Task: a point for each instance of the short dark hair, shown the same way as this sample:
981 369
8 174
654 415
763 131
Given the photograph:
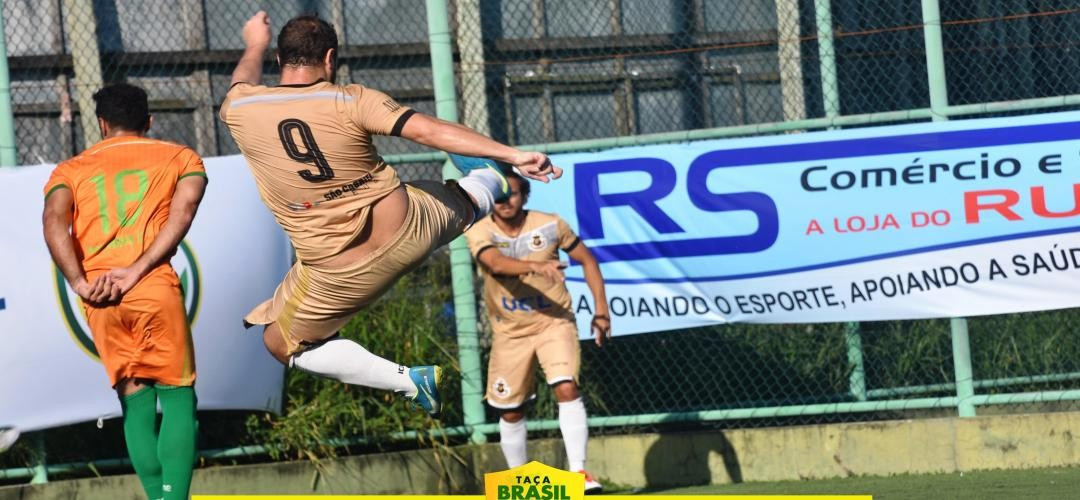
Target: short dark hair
123 106
304 40
511 174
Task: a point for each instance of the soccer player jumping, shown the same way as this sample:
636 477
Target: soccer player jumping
355 226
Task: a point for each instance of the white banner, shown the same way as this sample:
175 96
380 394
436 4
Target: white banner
926 220
232 259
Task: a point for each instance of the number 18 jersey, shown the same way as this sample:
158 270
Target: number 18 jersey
122 187
310 150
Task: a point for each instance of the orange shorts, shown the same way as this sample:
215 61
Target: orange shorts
147 335
513 361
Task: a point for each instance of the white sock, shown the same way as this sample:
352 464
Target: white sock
513 443
483 185
575 432
346 361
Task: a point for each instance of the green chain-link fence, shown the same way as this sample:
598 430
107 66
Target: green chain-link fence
546 71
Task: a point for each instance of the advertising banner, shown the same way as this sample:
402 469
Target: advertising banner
911 221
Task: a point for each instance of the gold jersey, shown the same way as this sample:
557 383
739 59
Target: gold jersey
527 304
310 150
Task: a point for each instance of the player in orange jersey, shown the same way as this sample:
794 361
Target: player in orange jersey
113 217
355 226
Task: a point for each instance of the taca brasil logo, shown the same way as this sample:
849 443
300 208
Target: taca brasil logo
534 481
187 269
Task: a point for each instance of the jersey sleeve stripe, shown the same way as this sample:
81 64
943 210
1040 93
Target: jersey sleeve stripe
54 188
400 123
572 245
482 250
189 174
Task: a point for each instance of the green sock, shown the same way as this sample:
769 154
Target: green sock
140 434
177 439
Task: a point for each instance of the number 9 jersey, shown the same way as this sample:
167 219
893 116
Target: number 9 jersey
310 150
122 188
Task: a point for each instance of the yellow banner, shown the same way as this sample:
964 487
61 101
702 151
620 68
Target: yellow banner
532 481
482 497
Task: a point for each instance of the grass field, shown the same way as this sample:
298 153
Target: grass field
1061 483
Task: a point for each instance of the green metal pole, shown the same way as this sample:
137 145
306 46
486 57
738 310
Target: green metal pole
472 386
830 96
935 59
830 89
40 468
857 378
7 117
965 384
939 102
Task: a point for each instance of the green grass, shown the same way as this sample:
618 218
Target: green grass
1031 484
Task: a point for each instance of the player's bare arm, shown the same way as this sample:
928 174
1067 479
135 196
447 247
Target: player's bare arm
56 220
462 140
256 40
185 202
502 265
601 322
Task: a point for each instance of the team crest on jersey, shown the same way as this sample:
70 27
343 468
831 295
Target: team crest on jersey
501 388
537 242
187 269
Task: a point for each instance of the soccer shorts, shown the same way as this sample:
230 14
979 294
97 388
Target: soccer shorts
512 365
147 335
314 302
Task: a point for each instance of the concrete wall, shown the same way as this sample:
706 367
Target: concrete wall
681 459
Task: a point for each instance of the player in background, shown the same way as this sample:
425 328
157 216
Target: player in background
113 218
532 320
355 226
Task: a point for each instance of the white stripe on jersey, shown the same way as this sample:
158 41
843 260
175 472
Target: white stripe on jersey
288 98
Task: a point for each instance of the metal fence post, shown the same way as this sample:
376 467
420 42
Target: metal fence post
857 378
935 59
965 384
830 88
830 96
472 386
939 101
81 26
474 102
7 117
789 55
40 467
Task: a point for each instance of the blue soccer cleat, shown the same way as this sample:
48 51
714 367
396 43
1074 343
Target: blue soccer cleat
427 380
467 164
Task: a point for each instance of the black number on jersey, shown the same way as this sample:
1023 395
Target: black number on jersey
310 155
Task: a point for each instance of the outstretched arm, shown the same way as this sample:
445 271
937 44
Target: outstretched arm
601 322
502 265
56 219
185 202
256 40
462 140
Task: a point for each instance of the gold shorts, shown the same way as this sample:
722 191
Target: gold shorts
513 363
314 302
